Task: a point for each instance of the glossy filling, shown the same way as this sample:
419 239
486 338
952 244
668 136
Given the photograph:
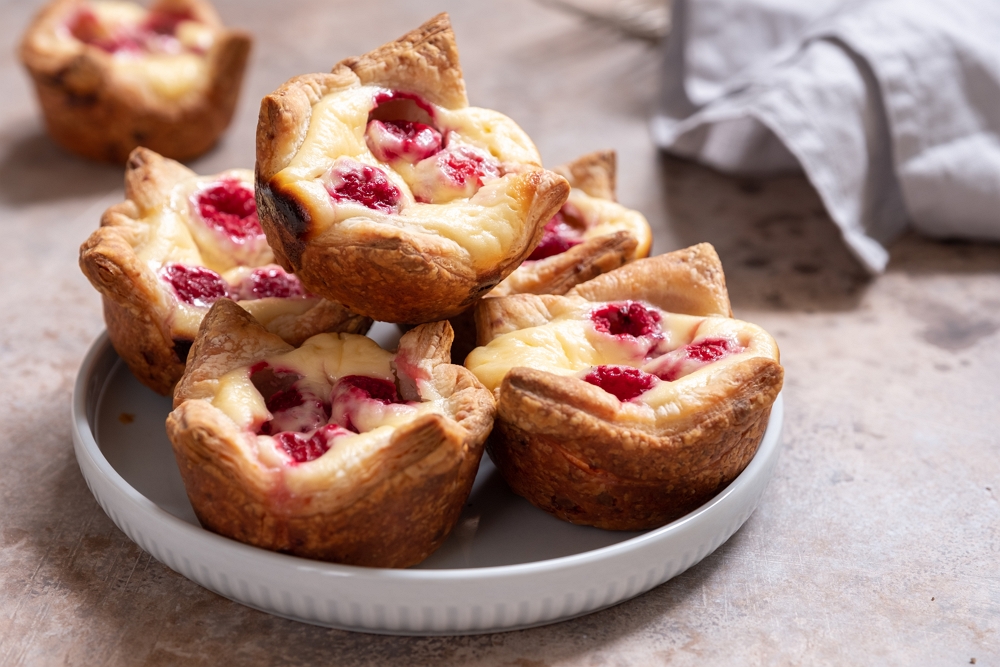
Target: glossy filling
622 382
559 237
125 30
268 282
456 172
159 56
582 218
393 103
404 140
638 353
436 164
461 174
201 287
352 181
224 224
628 318
358 401
305 447
228 206
201 242
633 320
466 165
685 360
306 420
195 285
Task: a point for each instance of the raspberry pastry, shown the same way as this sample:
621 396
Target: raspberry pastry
336 450
112 76
383 190
178 243
590 235
631 400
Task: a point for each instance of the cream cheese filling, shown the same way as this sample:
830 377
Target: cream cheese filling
599 218
172 77
605 217
169 68
173 232
481 228
320 362
570 345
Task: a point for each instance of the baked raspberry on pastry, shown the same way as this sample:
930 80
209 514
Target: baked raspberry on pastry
590 235
617 408
381 188
337 450
178 243
112 75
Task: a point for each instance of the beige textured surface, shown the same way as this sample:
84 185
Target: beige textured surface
877 542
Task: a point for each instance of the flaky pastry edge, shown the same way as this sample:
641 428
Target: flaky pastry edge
131 293
395 513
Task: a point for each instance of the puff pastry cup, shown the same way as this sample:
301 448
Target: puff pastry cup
178 243
381 188
591 234
111 76
337 450
631 400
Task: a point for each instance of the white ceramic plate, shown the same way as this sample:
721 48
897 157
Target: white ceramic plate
507 565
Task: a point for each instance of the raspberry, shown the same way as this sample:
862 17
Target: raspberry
463 166
623 382
376 389
270 282
365 185
557 239
195 285
628 318
710 349
229 207
303 447
402 139
394 95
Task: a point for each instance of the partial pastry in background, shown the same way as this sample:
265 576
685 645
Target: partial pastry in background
337 450
591 234
631 400
112 76
381 188
178 243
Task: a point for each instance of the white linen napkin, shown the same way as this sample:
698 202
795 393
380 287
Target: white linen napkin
891 107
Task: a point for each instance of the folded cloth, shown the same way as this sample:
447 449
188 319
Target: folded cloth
891 107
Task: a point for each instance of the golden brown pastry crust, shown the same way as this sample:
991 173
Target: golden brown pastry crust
87 113
133 295
394 515
390 273
688 281
624 478
560 273
561 443
594 174
423 61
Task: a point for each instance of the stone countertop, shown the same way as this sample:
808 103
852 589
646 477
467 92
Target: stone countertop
877 541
